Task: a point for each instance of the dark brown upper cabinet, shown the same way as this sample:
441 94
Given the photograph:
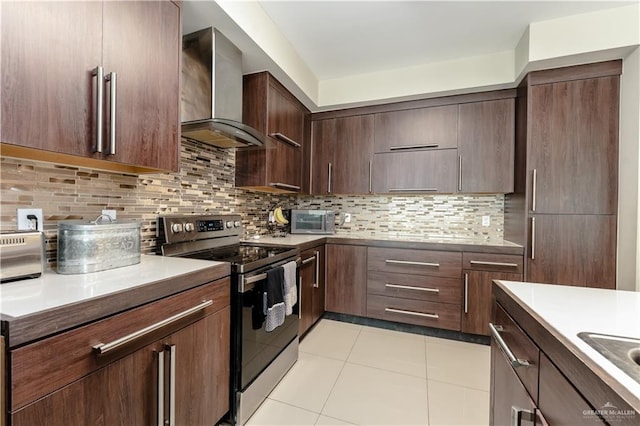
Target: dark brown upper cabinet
51 88
342 155
573 160
273 111
423 128
486 133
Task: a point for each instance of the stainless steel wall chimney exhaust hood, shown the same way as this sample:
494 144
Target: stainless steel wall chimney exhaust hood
212 92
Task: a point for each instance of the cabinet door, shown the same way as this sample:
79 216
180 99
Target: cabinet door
320 288
285 126
486 133
202 369
416 171
323 136
142 43
476 308
508 397
48 51
307 283
559 401
575 250
124 392
346 279
435 127
573 147
352 155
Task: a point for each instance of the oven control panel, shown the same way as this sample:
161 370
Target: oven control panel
181 228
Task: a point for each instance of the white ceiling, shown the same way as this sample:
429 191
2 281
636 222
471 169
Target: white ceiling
343 38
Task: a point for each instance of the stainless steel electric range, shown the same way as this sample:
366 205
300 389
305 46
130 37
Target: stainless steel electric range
259 359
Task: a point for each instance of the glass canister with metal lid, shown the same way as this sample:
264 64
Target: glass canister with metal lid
97 245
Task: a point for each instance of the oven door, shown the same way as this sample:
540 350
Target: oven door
255 348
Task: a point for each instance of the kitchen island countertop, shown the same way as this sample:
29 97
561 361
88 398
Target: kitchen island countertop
565 311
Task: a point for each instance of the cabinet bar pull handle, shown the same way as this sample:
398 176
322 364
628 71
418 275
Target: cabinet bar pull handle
533 190
160 390
172 383
284 186
370 177
515 362
285 139
409 262
459 172
466 293
300 300
482 262
413 189
416 314
410 287
533 238
104 348
401 147
112 78
329 178
317 277
99 73
518 414
308 260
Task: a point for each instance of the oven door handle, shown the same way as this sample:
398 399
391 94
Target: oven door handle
246 283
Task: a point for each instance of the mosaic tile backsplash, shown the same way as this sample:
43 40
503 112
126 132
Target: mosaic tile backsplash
204 184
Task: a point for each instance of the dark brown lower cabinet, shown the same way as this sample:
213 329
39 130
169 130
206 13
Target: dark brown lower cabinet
577 250
63 381
476 308
346 279
312 288
509 398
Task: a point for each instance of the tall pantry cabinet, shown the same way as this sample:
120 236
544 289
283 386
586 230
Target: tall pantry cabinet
564 208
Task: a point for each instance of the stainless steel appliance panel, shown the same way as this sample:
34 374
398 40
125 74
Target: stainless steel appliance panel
21 255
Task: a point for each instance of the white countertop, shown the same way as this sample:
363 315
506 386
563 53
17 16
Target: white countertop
53 290
570 310
297 239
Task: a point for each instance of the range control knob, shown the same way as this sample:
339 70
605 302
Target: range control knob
176 228
229 224
237 224
188 227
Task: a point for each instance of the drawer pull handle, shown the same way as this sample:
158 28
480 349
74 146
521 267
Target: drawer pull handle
518 415
415 314
410 287
285 139
482 262
515 362
160 390
401 147
281 185
408 262
171 349
413 189
104 348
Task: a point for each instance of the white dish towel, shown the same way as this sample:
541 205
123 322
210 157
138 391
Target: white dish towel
290 290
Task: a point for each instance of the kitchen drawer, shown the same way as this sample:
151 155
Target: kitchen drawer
522 348
42 367
416 287
415 262
418 312
493 262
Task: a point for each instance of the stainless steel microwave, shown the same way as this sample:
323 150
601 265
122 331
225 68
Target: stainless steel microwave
313 222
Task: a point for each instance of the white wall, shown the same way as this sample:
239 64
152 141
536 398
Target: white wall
629 176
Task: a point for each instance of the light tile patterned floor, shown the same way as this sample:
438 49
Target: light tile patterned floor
349 374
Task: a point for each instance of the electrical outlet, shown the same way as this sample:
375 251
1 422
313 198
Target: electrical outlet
30 224
347 217
111 213
486 220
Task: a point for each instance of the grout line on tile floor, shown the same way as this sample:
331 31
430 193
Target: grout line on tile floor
458 385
